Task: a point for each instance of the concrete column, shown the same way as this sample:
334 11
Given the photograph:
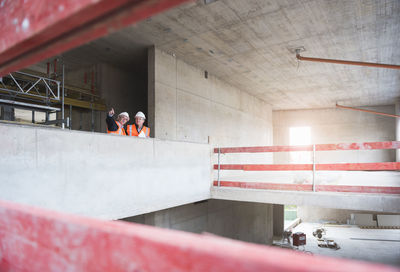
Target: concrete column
158 219
151 88
278 219
253 222
397 110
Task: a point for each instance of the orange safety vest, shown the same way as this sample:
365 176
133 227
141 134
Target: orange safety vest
132 131
119 131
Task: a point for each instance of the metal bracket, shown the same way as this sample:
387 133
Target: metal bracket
313 176
219 165
296 50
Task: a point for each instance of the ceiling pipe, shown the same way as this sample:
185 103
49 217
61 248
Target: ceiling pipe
369 111
347 62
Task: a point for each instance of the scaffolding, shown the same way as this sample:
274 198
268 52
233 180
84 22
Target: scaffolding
37 92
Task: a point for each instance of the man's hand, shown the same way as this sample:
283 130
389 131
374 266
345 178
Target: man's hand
111 112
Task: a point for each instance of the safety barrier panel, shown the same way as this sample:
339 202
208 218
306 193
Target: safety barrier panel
378 166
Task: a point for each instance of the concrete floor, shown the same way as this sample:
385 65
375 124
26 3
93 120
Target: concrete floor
385 252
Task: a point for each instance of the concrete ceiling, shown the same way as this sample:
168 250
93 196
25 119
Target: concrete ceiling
246 44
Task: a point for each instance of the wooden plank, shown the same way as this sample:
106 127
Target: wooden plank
33 239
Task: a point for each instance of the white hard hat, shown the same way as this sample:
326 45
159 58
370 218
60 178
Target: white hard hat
124 114
140 114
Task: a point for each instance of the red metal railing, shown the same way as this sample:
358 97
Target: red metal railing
378 166
33 239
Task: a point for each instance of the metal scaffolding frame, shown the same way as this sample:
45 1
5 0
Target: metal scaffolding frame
19 87
25 84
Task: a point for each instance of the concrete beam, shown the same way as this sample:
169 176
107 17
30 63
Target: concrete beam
100 175
365 202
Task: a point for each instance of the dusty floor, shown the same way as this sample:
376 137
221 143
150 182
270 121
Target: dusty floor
387 252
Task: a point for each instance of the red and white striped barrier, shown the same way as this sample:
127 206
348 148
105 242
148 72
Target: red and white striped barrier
378 166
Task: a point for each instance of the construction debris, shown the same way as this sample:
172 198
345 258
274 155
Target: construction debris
324 242
319 232
299 239
328 243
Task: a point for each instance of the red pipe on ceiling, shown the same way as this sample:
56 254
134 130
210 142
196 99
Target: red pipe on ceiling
348 62
369 111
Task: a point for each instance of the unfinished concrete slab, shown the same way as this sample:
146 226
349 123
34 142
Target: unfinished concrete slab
365 202
372 245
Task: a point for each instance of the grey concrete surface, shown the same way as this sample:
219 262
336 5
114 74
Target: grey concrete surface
366 202
386 252
245 221
315 214
278 219
338 126
186 106
100 175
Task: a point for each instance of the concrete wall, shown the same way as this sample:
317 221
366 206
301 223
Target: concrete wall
339 126
100 175
186 106
76 77
122 89
245 221
279 219
81 119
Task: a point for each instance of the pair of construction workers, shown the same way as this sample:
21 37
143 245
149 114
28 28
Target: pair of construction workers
137 129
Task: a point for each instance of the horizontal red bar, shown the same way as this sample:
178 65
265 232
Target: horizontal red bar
359 189
265 186
318 147
260 149
308 187
376 166
33 239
